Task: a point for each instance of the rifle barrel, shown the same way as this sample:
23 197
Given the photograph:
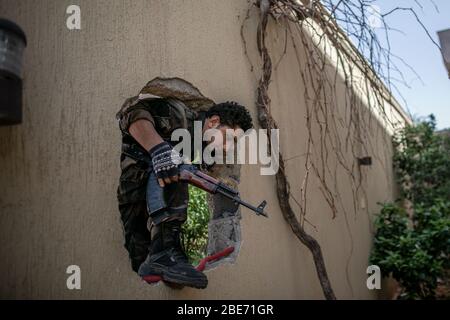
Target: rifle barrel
237 199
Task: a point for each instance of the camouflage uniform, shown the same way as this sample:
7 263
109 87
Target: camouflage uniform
166 116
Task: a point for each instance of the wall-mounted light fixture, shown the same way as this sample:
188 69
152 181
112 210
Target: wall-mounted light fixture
12 45
444 39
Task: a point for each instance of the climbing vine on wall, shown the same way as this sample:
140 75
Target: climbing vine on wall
312 27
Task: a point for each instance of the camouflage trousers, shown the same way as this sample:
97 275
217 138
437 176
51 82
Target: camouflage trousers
131 195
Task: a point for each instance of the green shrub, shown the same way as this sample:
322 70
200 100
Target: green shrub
413 246
195 230
416 255
422 163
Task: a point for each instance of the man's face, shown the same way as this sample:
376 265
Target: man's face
228 134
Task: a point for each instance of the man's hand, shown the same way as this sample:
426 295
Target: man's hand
165 163
145 134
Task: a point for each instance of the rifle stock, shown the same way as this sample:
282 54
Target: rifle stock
197 181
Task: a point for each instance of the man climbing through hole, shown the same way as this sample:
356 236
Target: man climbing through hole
147 122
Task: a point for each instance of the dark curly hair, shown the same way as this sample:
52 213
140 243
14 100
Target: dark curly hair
232 114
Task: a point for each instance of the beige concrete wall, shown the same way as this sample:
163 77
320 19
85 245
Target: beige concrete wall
59 169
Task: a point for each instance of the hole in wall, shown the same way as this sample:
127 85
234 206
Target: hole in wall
213 223
224 228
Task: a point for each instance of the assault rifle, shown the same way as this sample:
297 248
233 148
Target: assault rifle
192 175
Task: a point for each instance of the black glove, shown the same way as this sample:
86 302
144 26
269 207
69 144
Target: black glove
165 160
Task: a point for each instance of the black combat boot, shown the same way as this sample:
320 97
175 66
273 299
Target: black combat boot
168 260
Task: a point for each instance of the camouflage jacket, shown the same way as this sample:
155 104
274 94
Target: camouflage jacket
166 115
